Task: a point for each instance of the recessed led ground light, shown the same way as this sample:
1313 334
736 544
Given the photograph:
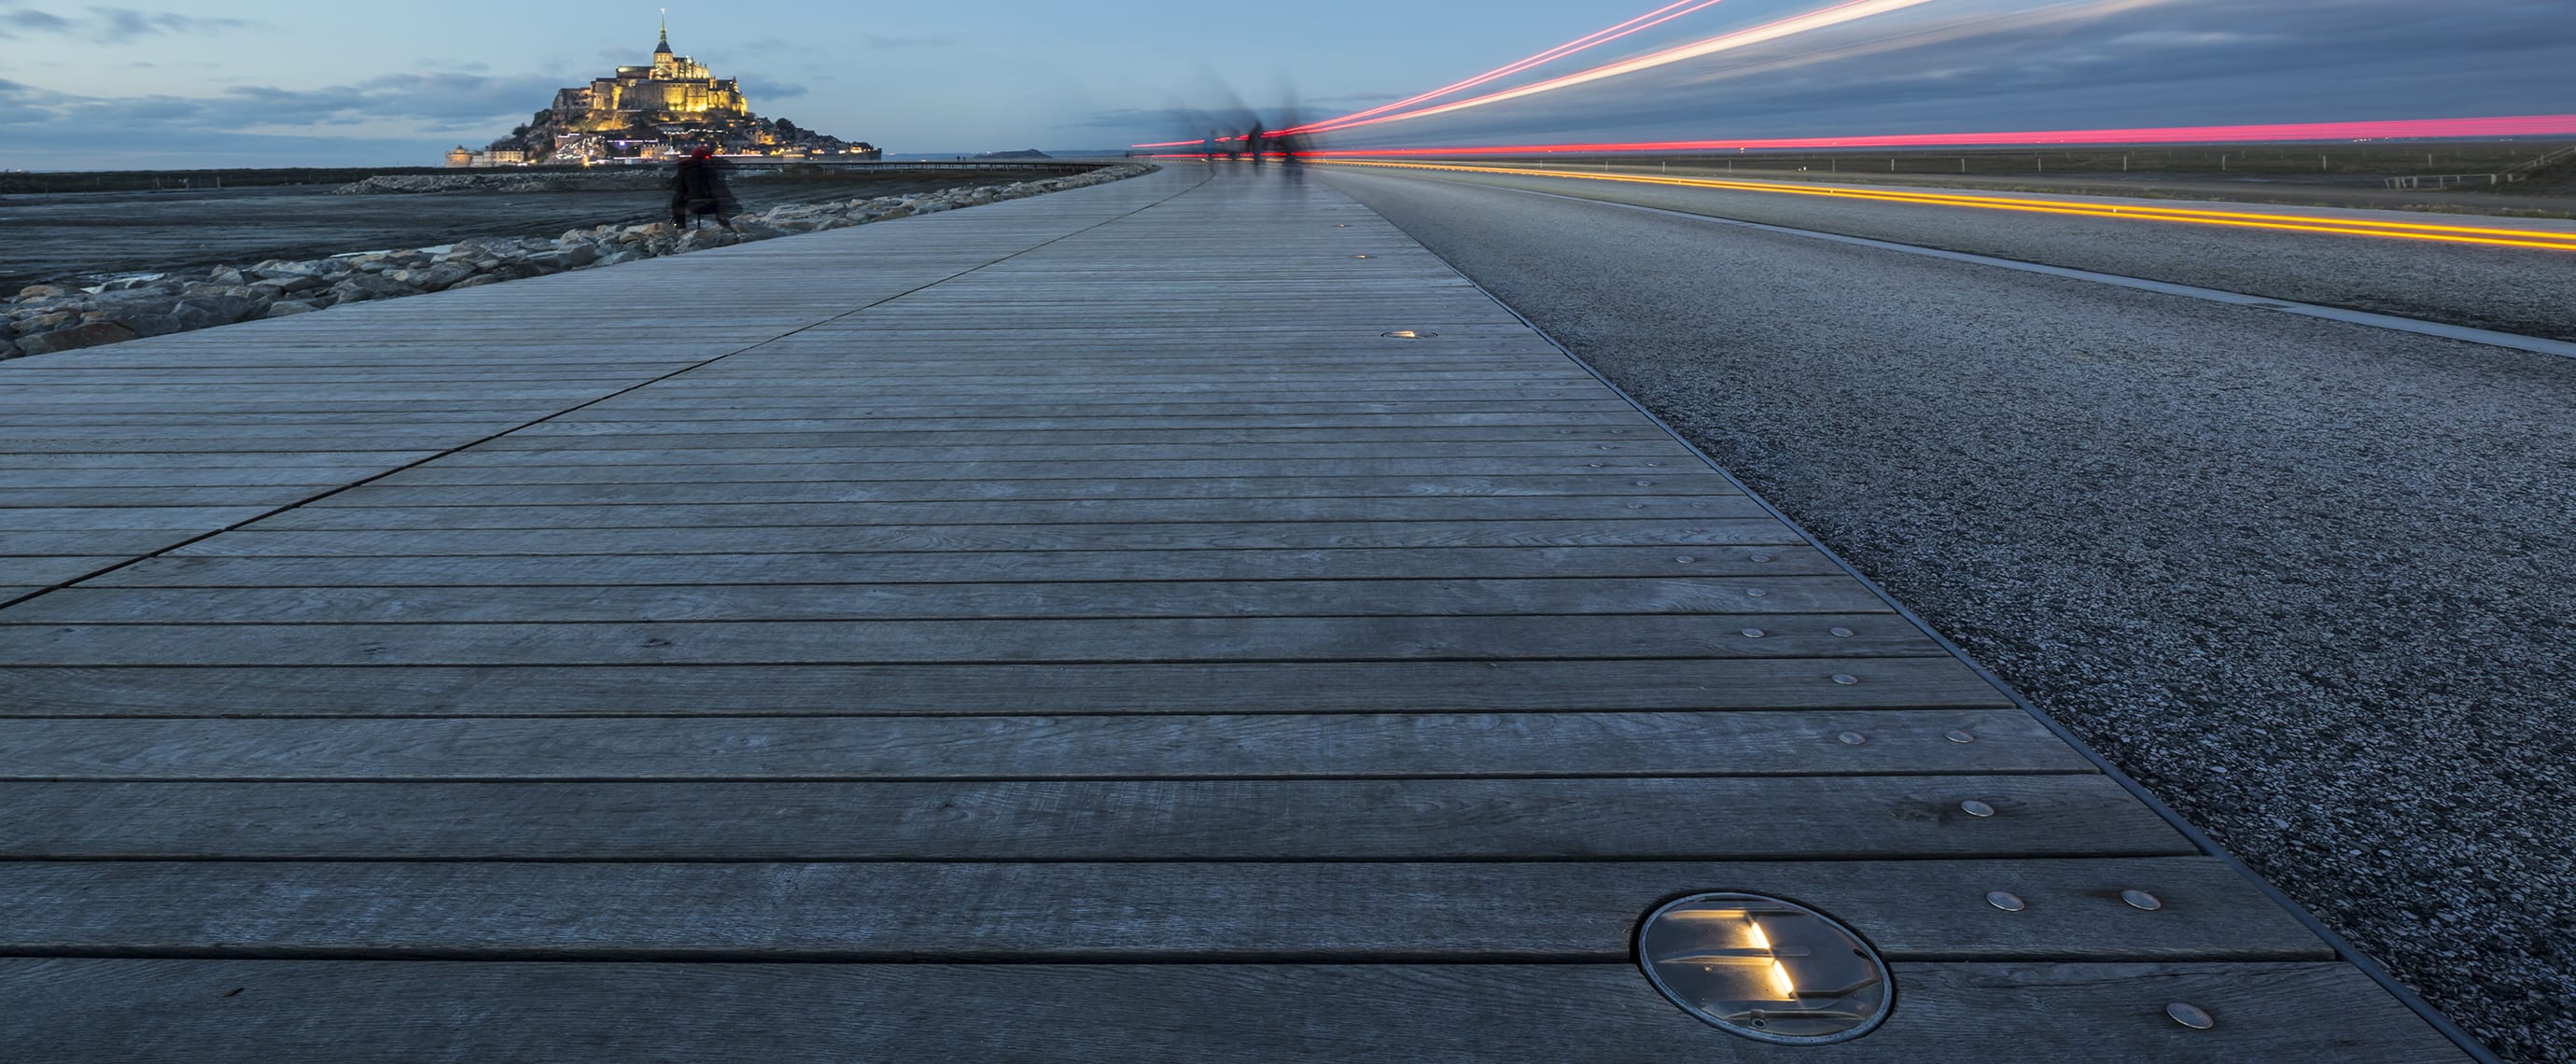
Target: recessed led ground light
1770 970
1408 334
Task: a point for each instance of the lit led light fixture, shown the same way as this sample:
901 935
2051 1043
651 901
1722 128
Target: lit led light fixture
1770 970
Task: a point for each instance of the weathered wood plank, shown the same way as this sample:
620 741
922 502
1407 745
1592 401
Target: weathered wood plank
1304 535
1282 746
834 690
1608 510
1700 819
258 1012
742 467
122 518
820 486
1169 912
1035 566
1196 639
1773 599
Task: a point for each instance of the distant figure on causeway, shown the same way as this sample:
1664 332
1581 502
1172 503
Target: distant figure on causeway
698 190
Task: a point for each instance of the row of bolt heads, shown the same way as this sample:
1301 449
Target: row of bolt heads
2184 1013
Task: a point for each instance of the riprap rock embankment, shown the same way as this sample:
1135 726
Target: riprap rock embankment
43 319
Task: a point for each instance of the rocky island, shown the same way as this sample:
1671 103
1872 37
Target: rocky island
664 108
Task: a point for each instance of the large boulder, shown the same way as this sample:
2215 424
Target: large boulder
288 308
361 287
46 291
91 334
46 322
152 320
9 349
202 312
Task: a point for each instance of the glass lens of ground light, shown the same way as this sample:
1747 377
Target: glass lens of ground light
1767 969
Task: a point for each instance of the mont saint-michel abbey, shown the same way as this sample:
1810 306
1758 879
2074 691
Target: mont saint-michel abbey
668 107
674 85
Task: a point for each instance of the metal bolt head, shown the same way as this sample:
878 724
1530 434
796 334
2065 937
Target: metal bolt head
1359 256
1846 679
1754 633
2006 901
1761 557
1645 483
1852 738
1755 593
1685 559
2192 1016
1973 807
1957 736
1409 334
2139 899
1843 632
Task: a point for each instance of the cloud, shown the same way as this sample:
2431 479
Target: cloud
112 25
445 103
777 90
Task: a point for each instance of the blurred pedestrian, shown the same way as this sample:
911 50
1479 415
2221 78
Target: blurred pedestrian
698 190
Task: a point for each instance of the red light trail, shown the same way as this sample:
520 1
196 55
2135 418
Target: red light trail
2402 129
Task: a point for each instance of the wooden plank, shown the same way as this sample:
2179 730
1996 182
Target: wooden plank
818 486
1303 535
1229 598
123 497
1276 746
1166 912
635 448
95 542
934 568
1608 510
1693 819
1193 687
743 467
40 571
257 1012
1643 637
78 518
1773 600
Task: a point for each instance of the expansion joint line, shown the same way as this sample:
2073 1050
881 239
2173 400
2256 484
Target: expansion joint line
620 393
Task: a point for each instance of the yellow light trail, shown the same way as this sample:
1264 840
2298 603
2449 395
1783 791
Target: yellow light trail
2448 234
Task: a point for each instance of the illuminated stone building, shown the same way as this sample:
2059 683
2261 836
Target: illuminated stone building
673 88
651 112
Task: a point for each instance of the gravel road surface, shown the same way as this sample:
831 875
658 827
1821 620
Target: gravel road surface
2313 583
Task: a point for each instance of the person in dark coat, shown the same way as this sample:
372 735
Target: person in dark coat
698 190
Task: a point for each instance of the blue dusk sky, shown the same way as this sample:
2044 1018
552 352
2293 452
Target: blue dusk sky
291 82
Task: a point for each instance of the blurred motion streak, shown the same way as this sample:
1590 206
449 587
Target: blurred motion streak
1649 20
2449 234
1770 31
2504 126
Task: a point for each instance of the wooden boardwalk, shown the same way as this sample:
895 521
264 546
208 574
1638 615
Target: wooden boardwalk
1063 629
